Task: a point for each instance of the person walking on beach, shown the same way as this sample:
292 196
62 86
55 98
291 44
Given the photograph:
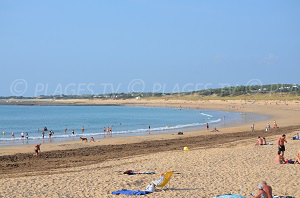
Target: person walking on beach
269 126
149 129
252 127
281 147
207 126
43 134
82 129
37 149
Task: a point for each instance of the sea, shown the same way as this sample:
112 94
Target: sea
124 121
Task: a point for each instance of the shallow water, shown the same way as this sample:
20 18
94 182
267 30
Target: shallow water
125 121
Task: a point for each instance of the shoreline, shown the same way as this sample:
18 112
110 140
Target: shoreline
216 163
234 126
231 106
25 164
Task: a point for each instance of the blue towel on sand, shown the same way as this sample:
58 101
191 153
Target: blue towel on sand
229 196
130 192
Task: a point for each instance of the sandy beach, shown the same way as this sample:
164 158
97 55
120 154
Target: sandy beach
216 163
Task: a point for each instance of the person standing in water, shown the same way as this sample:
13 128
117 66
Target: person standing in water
73 132
43 134
110 131
82 129
207 126
66 130
27 135
12 135
149 129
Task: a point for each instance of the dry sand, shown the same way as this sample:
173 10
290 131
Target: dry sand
203 172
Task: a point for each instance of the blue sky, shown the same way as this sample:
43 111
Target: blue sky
52 44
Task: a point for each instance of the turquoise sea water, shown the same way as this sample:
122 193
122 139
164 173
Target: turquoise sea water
125 121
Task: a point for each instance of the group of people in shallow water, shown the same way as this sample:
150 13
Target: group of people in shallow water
107 131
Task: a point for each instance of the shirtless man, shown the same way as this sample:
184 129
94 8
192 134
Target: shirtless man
82 129
261 193
267 189
259 141
281 147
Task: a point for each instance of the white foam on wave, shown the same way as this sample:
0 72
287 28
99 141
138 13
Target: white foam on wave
114 132
208 115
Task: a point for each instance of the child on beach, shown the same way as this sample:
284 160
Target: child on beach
92 139
298 158
37 149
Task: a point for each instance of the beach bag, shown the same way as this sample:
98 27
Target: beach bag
150 188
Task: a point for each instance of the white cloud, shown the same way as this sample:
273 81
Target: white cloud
269 59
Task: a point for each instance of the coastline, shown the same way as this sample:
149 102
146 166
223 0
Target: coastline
228 127
217 163
285 115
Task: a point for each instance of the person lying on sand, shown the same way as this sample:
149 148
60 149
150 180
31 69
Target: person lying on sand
296 137
298 158
160 181
261 193
37 149
215 130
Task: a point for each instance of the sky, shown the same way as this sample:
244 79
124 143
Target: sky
94 47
